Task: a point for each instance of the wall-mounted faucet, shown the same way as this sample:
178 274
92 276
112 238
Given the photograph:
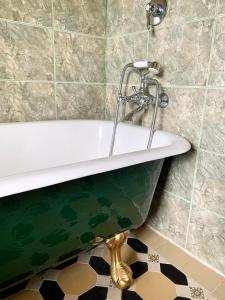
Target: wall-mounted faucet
156 11
141 97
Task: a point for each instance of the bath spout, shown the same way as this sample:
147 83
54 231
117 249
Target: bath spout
130 115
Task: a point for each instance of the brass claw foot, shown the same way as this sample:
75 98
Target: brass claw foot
120 272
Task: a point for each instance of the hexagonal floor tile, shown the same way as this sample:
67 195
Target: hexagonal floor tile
96 293
155 286
27 295
51 290
130 295
173 274
13 290
72 282
139 268
100 265
66 264
137 245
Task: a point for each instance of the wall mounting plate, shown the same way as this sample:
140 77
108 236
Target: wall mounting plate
156 12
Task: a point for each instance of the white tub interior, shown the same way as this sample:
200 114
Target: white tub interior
38 154
40 145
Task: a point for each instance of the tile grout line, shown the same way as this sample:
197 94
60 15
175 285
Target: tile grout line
195 20
108 83
148 42
26 81
173 194
54 59
106 52
80 33
50 28
203 87
81 82
25 24
202 122
52 81
188 202
213 152
103 36
204 263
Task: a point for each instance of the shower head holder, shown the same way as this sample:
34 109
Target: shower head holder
156 12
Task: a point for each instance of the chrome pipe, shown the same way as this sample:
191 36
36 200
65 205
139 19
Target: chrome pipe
152 128
114 129
119 101
142 97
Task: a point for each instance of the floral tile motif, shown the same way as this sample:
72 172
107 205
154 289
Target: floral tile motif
153 258
197 293
88 278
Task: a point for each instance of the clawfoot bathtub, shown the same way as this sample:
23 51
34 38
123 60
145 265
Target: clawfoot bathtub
61 193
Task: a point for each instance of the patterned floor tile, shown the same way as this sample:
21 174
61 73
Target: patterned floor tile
129 295
66 264
104 281
100 266
50 274
137 245
35 283
27 295
51 290
155 286
139 268
113 293
175 275
87 277
15 289
77 279
96 293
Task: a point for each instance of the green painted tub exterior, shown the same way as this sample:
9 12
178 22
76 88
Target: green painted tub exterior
43 227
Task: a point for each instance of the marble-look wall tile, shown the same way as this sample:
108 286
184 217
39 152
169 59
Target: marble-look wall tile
37 12
178 174
213 136
221 7
26 52
210 183
184 105
181 11
80 101
126 16
123 50
111 104
217 72
79 58
183 51
81 16
206 237
26 101
111 101
169 215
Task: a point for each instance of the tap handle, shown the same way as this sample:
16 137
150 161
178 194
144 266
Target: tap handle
164 100
134 89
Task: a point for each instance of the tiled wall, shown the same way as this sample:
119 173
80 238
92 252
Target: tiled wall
189 207
52 59
52 66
